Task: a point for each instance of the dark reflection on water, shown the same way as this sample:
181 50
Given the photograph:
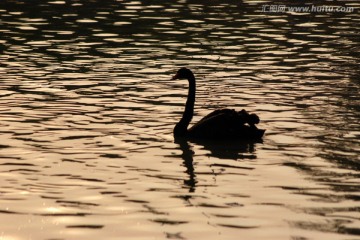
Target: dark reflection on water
187 155
87 108
226 149
219 149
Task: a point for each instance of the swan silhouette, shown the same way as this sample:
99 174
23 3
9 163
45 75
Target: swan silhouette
220 124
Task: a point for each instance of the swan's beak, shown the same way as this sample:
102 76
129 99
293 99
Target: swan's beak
175 77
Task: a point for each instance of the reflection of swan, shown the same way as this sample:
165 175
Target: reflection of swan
220 124
187 156
235 149
223 149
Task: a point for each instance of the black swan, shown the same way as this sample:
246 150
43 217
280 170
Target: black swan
220 124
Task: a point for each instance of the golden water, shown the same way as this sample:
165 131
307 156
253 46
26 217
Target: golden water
87 109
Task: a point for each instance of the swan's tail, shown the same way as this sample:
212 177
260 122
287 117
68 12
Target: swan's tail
250 119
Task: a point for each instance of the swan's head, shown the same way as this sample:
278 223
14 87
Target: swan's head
183 73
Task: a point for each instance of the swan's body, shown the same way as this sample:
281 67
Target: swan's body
220 124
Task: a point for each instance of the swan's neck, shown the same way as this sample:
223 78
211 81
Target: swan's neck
181 127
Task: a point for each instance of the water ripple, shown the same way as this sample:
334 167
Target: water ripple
87 111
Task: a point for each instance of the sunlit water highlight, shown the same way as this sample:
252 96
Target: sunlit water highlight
87 111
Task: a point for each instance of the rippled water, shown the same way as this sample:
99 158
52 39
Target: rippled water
87 111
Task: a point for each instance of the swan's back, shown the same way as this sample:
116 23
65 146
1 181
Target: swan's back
227 123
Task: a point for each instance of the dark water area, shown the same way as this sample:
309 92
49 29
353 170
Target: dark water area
87 109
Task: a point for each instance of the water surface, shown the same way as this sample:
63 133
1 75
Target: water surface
87 111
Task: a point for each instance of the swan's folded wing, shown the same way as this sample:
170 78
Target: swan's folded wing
224 123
